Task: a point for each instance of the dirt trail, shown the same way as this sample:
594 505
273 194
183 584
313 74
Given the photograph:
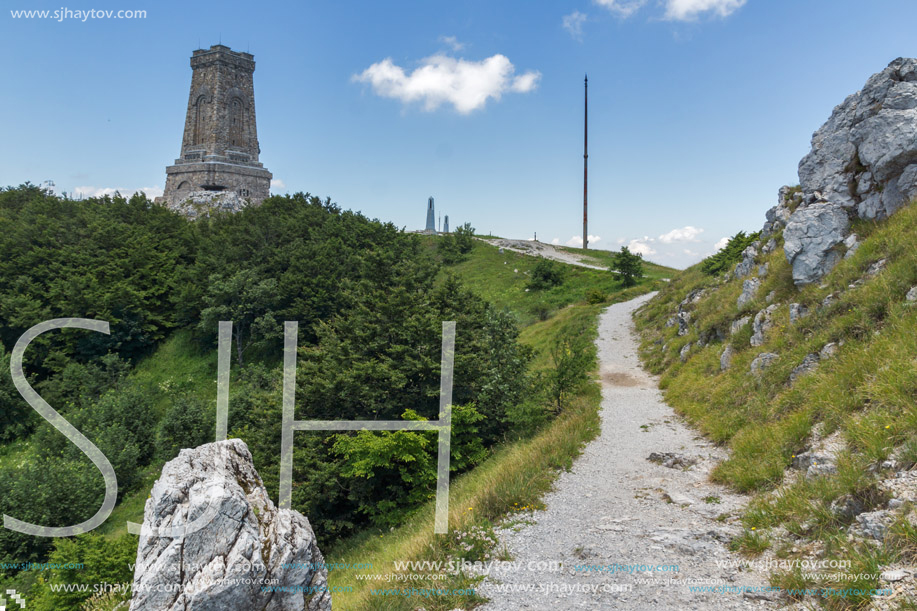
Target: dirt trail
540 249
616 509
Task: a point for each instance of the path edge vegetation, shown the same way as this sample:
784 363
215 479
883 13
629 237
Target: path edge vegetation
502 490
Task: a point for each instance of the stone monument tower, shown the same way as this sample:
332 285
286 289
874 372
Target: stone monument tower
431 217
219 152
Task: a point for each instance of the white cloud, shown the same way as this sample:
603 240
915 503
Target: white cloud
151 192
276 183
685 234
555 241
642 246
621 240
577 240
689 10
573 23
721 244
453 42
623 8
466 85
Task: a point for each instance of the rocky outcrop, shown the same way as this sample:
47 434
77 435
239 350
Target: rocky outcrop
810 238
229 562
726 357
829 350
797 312
749 290
808 365
863 164
747 264
737 325
206 203
762 362
764 322
788 199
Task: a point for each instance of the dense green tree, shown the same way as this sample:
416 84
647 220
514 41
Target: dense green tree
729 255
370 313
628 265
454 247
117 260
17 418
247 301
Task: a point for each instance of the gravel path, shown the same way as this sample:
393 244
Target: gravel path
540 249
617 508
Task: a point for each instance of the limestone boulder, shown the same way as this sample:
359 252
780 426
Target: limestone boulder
249 555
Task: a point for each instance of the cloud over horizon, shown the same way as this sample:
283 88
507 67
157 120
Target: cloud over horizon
690 10
684 234
440 79
642 246
577 241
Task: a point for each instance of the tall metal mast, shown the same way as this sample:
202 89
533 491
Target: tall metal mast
586 167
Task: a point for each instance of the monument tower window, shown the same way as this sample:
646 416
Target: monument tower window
199 120
235 122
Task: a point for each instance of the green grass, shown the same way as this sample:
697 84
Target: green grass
605 258
519 472
867 392
502 279
515 477
178 365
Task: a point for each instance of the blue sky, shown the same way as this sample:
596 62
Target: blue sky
699 109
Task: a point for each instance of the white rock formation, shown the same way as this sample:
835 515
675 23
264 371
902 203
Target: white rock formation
205 203
232 561
863 164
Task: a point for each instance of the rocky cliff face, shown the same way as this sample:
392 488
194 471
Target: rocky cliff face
863 164
250 556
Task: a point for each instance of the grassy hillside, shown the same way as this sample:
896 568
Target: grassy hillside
856 411
517 475
502 279
144 403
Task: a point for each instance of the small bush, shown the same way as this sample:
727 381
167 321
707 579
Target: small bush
595 296
572 360
546 274
541 310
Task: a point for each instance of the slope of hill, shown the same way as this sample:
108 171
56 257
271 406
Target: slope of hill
814 390
503 277
377 298
520 472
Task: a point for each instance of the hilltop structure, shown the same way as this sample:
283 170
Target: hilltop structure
431 217
218 166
